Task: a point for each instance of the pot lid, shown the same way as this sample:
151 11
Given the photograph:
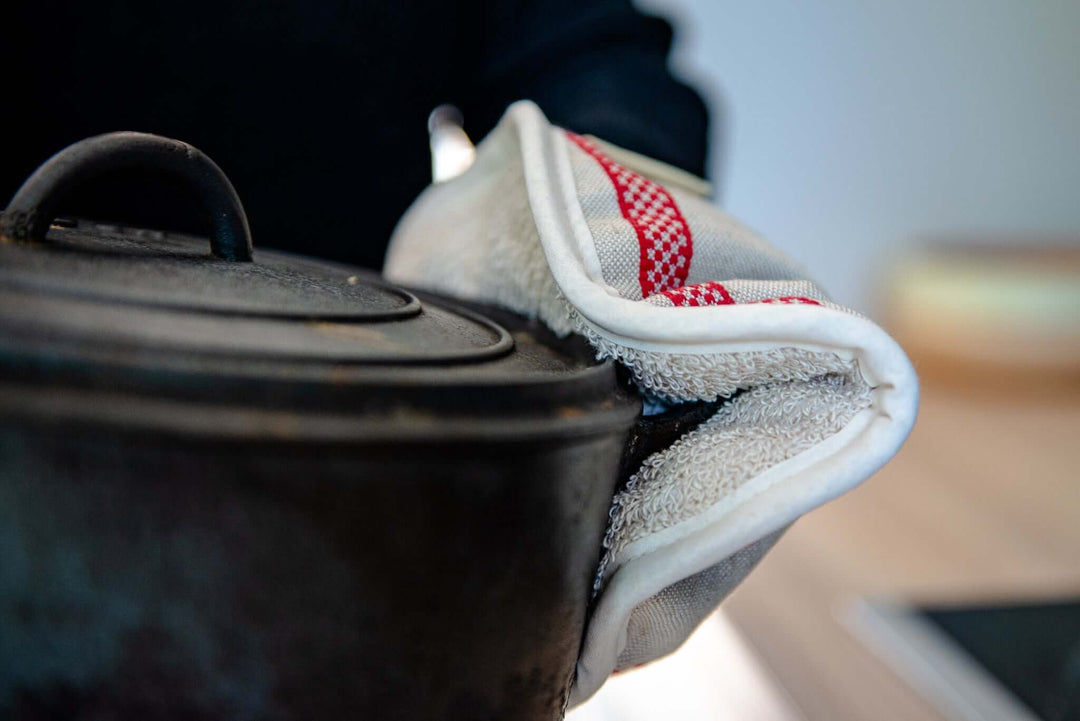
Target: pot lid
119 287
204 337
109 263
160 332
122 287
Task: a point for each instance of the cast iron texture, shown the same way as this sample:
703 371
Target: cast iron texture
153 577
108 263
285 539
34 205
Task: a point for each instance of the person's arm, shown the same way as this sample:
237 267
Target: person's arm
593 66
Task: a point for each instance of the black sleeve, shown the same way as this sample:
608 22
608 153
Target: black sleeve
317 109
593 66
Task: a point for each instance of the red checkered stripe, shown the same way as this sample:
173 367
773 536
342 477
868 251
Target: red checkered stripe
713 293
707 293
664 239
791 300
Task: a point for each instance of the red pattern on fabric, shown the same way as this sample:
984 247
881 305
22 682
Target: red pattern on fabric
791 299
707 293
664 239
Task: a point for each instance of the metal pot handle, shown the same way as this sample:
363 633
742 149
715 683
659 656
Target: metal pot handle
33 207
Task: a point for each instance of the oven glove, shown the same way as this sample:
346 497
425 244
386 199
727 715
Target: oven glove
596 240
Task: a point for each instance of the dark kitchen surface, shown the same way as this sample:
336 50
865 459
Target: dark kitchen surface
1034 650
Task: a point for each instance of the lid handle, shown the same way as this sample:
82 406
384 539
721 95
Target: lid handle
33 207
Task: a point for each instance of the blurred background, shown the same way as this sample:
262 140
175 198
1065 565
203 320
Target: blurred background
923 160
853 131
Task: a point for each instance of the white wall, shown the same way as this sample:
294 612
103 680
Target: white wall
851 129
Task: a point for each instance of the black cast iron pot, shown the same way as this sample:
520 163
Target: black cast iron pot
269 487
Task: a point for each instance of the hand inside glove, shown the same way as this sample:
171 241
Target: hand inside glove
623 250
